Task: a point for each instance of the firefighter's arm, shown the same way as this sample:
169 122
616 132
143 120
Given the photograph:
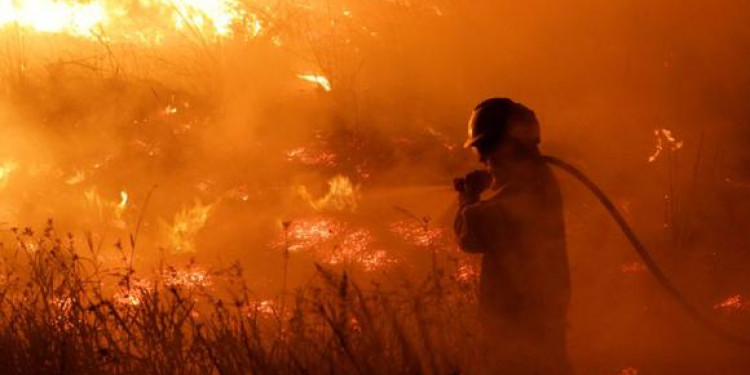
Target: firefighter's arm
468 218
467 226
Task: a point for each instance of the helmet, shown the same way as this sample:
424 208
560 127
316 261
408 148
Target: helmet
497 118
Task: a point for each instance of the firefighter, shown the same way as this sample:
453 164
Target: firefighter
511 213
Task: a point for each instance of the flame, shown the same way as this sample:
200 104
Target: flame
342 195
119 210
186 225
48 16
106 210
664 137
89 19
219 15
135 294
629 371
320 80
6 169
123 200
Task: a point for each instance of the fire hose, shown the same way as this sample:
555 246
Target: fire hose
642 251
645 255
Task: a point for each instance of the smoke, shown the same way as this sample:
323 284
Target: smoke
211 138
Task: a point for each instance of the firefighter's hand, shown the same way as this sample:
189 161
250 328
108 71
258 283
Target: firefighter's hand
472 186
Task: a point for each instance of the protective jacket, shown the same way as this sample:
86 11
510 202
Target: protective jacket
525 281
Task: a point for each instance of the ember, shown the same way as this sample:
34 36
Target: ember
311 156
134 292
307 233
271 142
191 277
267 308
664 138
335 243
731 304
633 267
417 233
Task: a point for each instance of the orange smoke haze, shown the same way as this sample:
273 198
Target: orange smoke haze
240 129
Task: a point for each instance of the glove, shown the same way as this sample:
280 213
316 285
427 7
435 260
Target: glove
473 184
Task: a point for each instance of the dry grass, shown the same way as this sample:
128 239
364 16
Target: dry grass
63 312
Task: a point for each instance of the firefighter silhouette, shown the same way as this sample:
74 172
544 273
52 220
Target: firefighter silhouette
518 229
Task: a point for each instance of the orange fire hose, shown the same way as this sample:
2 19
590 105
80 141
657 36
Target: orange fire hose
645 255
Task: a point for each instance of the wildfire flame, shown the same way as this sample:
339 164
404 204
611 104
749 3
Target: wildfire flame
186 225
320 80
89 19
48 16
107 210
342 195
135 294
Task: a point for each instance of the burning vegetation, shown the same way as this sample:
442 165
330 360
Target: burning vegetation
252 186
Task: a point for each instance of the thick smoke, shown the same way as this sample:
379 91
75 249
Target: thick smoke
209 144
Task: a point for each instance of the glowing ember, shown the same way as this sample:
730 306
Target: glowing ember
135 294
634 267
309 156
61 310
321 81
417 233
467 273
664 138
731 304
629 371
342 194
188 278
355 248
335 243
265 307
185 227
306 233
6 169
